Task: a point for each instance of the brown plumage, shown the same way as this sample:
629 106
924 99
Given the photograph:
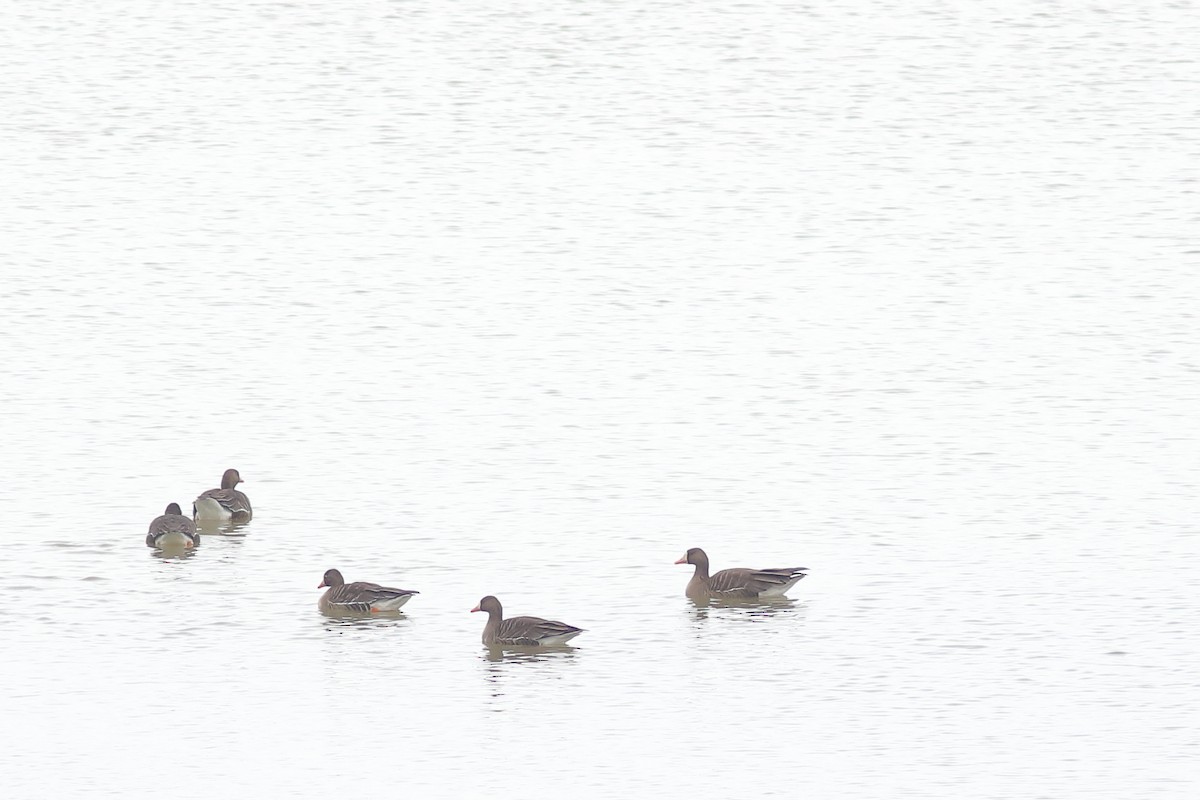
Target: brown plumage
224 504
172 529
526 631
359 596
739 581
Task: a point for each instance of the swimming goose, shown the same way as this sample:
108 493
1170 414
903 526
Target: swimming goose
739 581
223 504
359 596
172 530
533 631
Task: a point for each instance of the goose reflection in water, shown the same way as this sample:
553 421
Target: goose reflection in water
175 554
346 621
541 663
530 655
747 610
231 529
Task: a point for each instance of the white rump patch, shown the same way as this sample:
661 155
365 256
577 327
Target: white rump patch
778 591
208 508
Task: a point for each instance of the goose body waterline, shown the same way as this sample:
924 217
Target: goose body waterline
225 504
172 530
522 631
359 596
738 582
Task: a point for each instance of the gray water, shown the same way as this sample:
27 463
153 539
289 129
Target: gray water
526 301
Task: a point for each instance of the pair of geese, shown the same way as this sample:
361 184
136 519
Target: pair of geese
739 583
173 530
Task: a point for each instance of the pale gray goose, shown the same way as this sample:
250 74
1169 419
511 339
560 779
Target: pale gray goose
528 631
225 504
739 581
359 596
172 530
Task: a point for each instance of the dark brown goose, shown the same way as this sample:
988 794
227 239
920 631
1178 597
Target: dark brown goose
225 504
359 596
527 631
172 530
739 581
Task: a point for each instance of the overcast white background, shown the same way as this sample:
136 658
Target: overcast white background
528 299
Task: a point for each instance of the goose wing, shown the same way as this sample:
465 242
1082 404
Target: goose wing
532 630
742 582
232 500
736 582
171 523
777 579
360 596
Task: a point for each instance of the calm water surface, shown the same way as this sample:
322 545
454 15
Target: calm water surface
529 300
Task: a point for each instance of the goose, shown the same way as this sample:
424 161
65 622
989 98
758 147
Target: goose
529 631
172 530
739 581
223 504
359 596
